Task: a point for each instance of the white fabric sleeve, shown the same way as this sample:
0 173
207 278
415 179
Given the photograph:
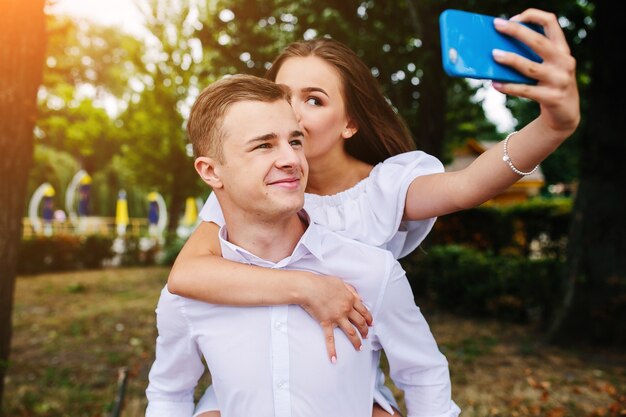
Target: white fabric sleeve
389 187
208 402
178 364
415 363
212 212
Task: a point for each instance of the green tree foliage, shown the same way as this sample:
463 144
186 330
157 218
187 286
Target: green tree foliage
155 147
78 127
86 65
138 142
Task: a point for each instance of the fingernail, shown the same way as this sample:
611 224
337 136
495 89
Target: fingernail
499 22
516 17
498 53
333 359
496 85
360 348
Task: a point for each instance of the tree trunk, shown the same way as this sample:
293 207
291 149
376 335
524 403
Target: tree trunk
432 112
594 296
22 51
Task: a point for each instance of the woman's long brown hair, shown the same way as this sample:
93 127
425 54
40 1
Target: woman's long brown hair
381 132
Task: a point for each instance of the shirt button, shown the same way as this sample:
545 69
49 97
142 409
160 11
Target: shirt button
278 325
283 385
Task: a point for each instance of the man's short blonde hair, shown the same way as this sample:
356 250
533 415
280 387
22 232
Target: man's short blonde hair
205 120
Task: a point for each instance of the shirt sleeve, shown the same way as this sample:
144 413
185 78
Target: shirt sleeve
178 364
212 212
416 365
389 187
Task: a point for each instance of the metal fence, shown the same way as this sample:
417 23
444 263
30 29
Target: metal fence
104 226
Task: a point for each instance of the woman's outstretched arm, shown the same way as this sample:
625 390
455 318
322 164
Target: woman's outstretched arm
556 92
201 273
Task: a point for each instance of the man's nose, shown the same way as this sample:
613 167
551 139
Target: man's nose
288 157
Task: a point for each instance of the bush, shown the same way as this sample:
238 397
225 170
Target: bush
95 249
544 221
537 228
466 281
138 251
69 252
63 253
171 251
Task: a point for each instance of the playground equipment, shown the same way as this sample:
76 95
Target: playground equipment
81 182
190 218
43 195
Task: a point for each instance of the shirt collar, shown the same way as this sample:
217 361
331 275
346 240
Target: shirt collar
309 243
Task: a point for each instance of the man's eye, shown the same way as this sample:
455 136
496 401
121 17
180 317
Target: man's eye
263 146
296 142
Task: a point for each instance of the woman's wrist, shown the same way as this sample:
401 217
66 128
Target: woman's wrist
300 287
556 134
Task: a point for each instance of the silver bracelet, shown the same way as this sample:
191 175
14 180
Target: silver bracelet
506 158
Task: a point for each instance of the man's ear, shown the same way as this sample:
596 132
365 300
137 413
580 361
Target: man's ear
350 129
208 170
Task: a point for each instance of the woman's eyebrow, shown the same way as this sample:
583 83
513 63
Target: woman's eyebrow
315 89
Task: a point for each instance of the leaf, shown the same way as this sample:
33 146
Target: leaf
556 412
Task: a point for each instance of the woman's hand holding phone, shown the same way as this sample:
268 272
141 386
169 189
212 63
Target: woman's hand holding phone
556 89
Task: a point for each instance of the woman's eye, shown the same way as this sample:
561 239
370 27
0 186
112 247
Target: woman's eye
313 101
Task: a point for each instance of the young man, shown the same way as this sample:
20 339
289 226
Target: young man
271 361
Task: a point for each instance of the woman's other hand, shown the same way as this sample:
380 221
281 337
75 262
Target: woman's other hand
333 303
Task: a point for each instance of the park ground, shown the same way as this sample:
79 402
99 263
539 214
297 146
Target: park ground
73 332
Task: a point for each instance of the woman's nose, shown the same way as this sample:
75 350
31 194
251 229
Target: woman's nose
297 112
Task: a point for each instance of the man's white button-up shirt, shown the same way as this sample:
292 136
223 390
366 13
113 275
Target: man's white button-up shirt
272 361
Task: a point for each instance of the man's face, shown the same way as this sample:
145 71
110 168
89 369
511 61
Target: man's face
264 170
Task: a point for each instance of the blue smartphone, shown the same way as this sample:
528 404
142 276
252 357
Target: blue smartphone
467 42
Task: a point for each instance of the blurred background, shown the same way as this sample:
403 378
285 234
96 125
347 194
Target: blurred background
526 294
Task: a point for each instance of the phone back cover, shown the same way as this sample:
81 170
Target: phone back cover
467 42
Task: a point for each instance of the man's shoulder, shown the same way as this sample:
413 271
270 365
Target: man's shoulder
172 302
345 244
348 256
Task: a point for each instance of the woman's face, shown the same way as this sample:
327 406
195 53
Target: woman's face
317 99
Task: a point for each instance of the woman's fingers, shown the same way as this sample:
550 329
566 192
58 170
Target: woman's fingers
550 23
351 332
335 304
556 90
329 338
529 68
360 308
359 322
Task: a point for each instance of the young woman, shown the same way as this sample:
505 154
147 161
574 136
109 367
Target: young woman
350 128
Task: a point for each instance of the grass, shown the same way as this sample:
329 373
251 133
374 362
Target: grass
74 331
